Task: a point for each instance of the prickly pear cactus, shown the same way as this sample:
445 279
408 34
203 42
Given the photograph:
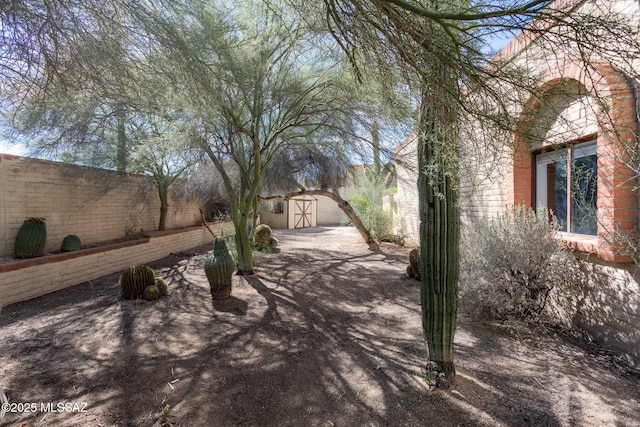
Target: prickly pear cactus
162 286
30 238
70 243
151 293
219 269
134 281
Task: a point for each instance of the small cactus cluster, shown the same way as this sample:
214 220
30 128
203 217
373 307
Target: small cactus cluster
140 281
413 269
263 239
30 238
155 291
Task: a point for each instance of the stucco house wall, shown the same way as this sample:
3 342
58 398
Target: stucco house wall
594 101
583 101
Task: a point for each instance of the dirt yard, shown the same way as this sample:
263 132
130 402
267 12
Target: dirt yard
327 334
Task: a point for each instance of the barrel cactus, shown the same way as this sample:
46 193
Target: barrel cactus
263 238
151 293
162 286
413 269
70 243
30 238
135 280
219 270
273 243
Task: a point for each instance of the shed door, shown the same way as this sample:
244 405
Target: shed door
302 213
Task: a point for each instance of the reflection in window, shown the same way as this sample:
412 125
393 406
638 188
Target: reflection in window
584 190
570 193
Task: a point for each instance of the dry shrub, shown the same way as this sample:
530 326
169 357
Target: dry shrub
510 264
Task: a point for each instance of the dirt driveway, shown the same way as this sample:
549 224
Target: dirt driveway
327 334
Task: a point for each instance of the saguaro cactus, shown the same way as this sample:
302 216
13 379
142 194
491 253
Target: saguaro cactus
219 270
439 231
31 238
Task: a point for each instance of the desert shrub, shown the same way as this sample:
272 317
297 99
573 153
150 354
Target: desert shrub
509 265
370 212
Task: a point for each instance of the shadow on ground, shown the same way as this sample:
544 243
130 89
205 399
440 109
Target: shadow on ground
327 334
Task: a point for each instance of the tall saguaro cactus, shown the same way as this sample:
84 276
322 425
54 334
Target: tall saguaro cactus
439 232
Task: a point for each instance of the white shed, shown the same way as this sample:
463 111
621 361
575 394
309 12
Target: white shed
297 212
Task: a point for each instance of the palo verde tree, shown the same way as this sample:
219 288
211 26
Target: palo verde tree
256 87
255 78
162 152
258 84
85 90
312 170
323 167
63 68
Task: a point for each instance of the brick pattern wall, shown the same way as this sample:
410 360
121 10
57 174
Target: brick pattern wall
407 220
617 200
96 205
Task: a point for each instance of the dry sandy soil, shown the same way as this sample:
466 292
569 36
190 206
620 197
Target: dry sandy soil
327 334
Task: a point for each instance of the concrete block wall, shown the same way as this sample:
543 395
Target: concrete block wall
94 204
25 279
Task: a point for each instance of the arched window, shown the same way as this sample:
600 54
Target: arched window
570 157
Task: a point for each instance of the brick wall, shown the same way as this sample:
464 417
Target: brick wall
406 221
96 205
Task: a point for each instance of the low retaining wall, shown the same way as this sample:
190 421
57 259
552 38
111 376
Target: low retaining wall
21 280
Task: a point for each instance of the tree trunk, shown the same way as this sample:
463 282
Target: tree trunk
162 225
121 144
164 208
342 204
244 246
163 193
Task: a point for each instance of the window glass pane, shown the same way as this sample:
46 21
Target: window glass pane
584 189
277 206
551 184
559 191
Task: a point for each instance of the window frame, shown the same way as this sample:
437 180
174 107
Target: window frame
277 207
588 146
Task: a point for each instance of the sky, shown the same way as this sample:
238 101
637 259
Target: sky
7 148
